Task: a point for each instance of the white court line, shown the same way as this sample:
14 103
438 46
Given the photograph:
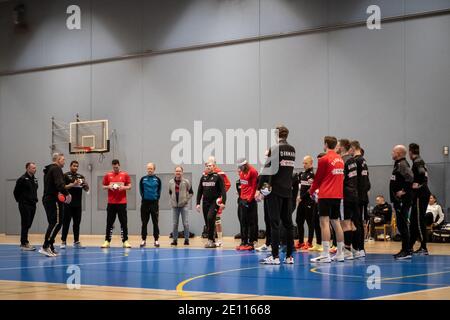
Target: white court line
66 253
39 257
115 262
405 293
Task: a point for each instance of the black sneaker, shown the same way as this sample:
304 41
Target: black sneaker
403 255
174 243
397 254
186 242
421 252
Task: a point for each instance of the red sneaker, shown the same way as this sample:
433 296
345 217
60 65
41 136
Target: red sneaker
333 250
306 246
299 245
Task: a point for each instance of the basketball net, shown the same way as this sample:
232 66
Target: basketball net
80 152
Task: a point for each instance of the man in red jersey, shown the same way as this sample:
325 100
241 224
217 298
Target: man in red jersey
227 184
117 183
329 180
248 209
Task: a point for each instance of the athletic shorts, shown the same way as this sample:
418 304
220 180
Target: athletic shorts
330 208
351 209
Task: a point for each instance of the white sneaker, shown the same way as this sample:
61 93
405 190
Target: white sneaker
321 259
143 244
263 248
270 260
348 255
288 260
362 253
63 245
77 245
338 257
356 254
218 243
27 247
47 252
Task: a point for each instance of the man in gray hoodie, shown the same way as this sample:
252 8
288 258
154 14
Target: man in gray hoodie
180 191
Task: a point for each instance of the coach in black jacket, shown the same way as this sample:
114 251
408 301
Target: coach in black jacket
212 189
401 195
53 185
420 197
25 193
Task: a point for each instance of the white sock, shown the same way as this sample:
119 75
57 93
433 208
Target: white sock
340 248
326 248
219 236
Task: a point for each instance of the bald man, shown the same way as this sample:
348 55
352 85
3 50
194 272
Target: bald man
401 196
150 189
227 185
305 208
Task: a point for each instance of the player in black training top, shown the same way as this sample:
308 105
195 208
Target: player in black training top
75 184
420 197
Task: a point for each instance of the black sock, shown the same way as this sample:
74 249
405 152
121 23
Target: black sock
348 238
355 239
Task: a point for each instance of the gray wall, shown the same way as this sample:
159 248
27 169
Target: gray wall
382 87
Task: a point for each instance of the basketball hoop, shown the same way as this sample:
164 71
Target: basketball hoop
81 151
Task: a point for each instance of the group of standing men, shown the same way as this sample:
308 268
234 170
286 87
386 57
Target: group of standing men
332 200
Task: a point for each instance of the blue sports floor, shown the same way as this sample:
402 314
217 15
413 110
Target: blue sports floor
227 271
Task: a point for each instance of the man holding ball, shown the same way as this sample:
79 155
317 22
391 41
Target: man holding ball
117 183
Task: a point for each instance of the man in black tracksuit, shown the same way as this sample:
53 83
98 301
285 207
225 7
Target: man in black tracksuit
54 184
276 186
363 189
420 197
305 208
351 202
75 183
401 195
381 214
212 189
25 193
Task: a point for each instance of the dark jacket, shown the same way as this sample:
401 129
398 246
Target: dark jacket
76 192
351 190
305 181
238 188
383 210
53 183
420 173
279 176
401 179
363 180
295 189
211 187
25 190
